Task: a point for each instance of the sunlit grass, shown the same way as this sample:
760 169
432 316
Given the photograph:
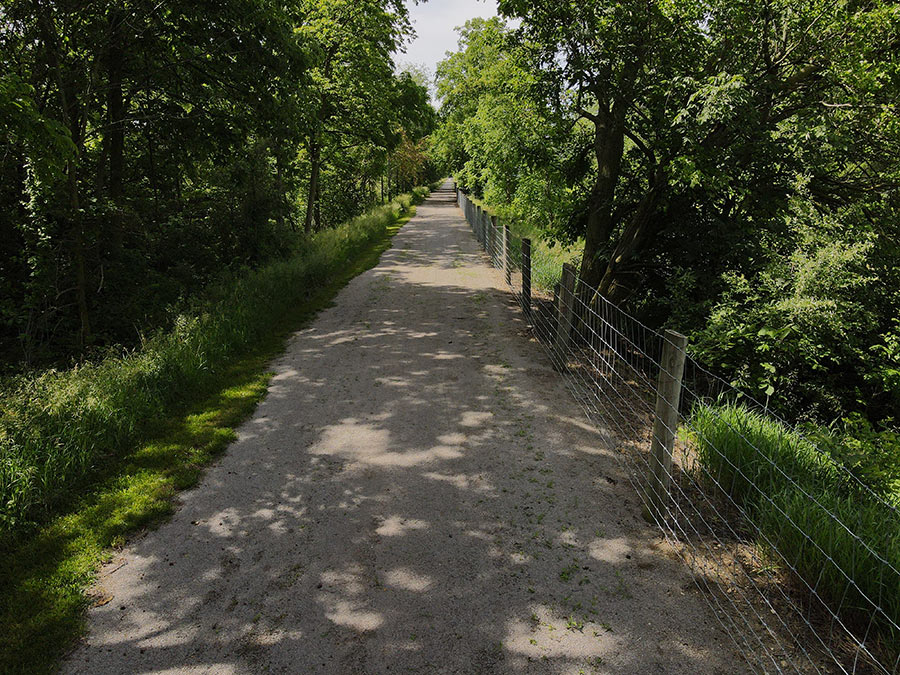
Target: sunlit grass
813 518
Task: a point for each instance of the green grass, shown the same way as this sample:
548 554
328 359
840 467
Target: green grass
813 518
749 455
127 433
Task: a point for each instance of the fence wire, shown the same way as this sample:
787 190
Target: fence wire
778 537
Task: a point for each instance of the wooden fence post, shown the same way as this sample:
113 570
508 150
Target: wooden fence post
495 256
668 397
507 272
526 277
565 311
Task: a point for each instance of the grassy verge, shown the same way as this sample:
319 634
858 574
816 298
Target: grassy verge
126 476
546 259
814 519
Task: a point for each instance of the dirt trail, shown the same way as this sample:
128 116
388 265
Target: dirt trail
417 493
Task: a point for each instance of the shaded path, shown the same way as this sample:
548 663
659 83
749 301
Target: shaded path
417 493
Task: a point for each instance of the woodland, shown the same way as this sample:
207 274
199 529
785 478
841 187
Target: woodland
182 184
148 150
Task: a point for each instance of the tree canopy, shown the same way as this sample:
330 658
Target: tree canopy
731 168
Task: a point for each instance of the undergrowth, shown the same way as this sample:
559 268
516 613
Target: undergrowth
60 426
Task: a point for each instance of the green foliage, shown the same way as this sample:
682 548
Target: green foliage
870 455
60 427
723 169
801 329
813 517
496 134
147 151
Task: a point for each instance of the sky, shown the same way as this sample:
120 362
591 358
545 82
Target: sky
434 22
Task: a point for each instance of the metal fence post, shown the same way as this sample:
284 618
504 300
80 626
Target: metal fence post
668 397
564 312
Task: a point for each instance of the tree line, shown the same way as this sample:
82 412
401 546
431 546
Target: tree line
147 149
729 169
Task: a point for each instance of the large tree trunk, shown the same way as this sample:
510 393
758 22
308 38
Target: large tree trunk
609 144
635 236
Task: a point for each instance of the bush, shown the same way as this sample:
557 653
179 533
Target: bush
59 427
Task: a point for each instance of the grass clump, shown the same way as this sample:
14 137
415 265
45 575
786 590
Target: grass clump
118 469
836 535
749 455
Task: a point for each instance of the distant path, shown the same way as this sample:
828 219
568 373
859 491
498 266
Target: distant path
417 493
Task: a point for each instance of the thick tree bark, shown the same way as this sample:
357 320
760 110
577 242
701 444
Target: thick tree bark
609 144
635 236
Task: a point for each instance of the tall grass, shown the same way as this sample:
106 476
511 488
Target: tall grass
748 454
839 538
59 428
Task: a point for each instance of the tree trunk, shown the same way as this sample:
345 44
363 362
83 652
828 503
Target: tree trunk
312 196
115 118
636 233
71 117
84 334
609 144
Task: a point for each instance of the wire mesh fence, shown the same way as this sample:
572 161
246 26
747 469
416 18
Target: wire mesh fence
797 557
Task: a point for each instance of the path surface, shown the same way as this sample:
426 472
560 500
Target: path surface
417 493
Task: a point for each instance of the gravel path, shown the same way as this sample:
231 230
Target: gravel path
417 493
